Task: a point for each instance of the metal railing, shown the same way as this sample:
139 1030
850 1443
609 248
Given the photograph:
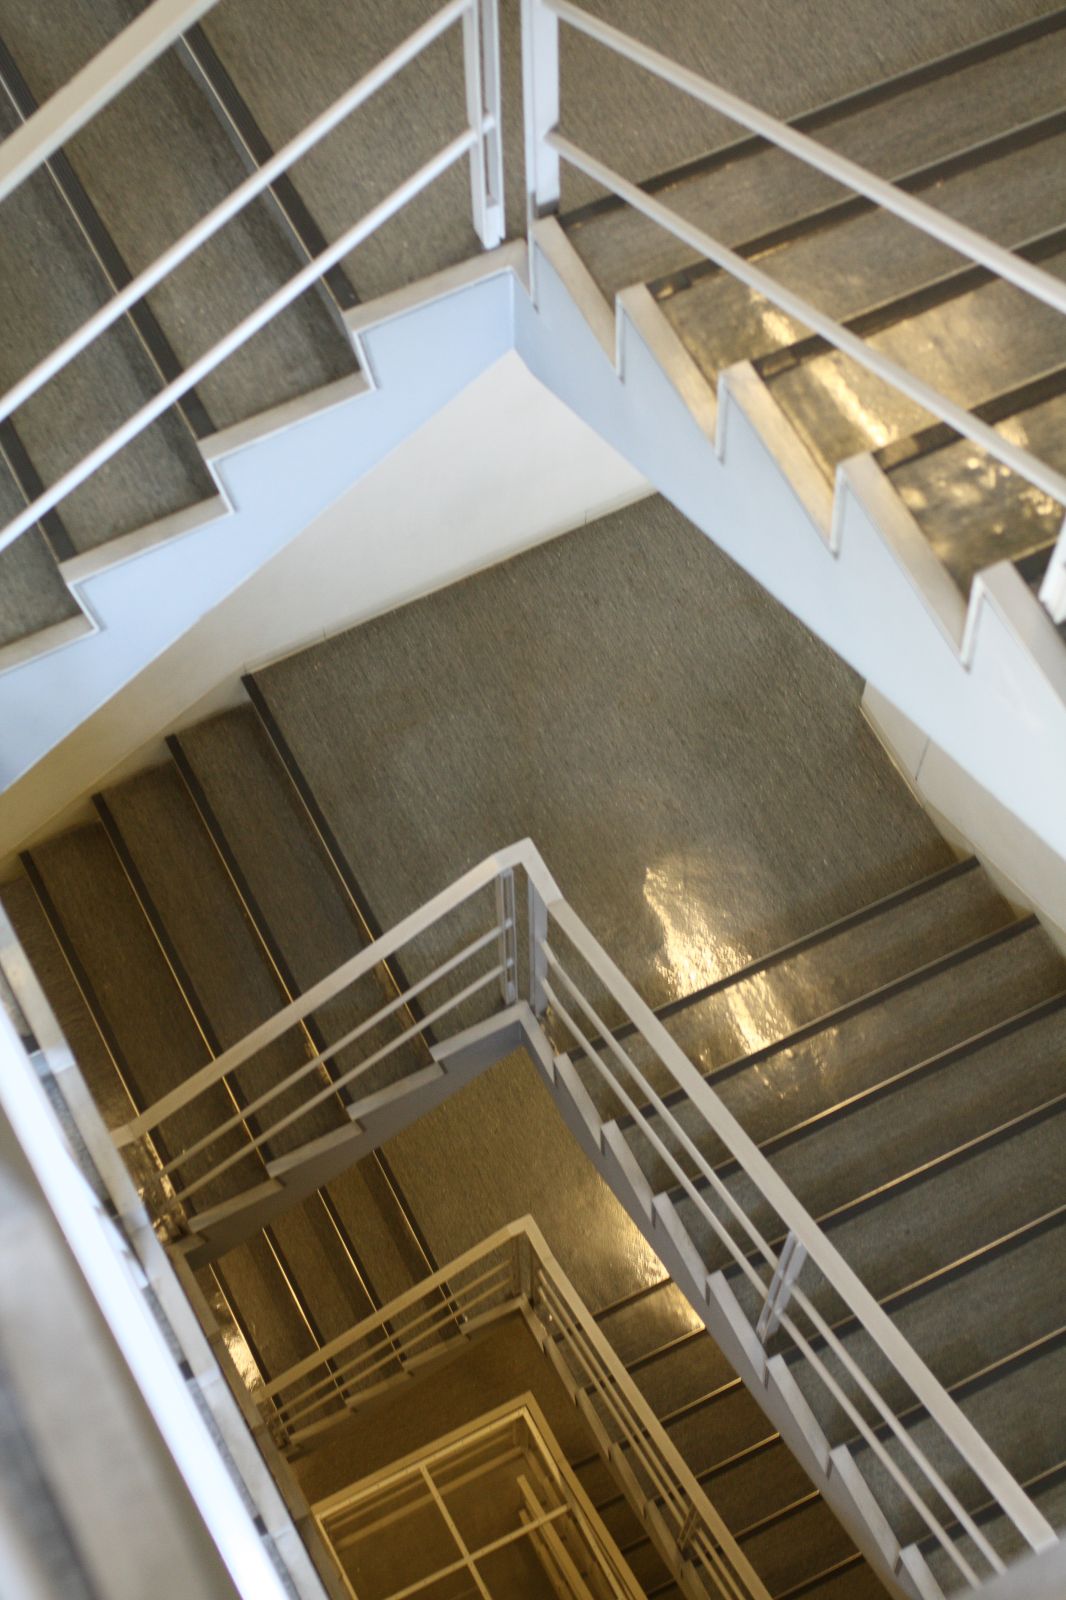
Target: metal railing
549 972
547 148
514 1270
117 65
511 1460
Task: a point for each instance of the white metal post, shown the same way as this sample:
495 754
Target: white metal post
507 923
540 93
481 60
538 961
1053 587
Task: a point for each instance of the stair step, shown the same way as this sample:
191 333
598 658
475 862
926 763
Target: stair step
157 142
850 969
798 1547
289 61
940 487
161 472
1012 1413
642 1325
1047 1494
849 1580
898 132
1020 338
32 592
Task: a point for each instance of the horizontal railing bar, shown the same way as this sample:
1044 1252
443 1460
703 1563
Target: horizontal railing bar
967 241
407 929
98 82
331 1089
238 336
884 367
234 202
322 1056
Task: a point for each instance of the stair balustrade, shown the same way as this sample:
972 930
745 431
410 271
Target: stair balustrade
792 1315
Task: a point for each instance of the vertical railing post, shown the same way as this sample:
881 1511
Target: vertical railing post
538 961
507 922
1053 586
540 94
481 58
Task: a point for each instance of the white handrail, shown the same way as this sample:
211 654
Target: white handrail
105 76
238 336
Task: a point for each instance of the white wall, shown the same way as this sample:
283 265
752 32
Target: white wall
502 467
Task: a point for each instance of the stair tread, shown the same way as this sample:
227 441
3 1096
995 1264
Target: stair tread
798 1547
158 141
856 1581
644 1325
740 200
291 58
939 489
160 472
928 1118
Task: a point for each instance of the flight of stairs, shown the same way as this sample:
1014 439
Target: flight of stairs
143 171
980 134
898 1067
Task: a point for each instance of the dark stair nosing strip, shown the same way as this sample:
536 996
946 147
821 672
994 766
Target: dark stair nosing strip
832 215
837 110
288 988
30 485
852 1008
329 841
107 256
807 941
679 1342
908 304
254 150
1023 396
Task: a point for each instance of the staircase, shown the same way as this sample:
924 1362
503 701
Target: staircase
896 1067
